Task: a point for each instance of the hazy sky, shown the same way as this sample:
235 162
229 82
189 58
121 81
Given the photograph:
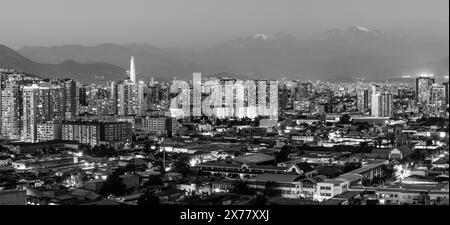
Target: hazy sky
202 23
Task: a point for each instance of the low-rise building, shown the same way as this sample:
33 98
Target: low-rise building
96 132
329 188
130 180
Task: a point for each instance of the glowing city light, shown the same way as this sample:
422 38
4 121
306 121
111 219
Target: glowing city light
401 173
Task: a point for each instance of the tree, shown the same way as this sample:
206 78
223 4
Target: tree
363 126
376 180
153 180
182 165
389 172
271 188
260 200
365 182
345 119
113 185
148 198
240 187
364 147
160 165
379 141
148 147
355 201
101 151
283 154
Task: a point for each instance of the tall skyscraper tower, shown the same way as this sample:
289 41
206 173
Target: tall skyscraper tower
374 101
132 70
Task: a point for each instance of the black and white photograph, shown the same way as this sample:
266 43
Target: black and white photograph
246 105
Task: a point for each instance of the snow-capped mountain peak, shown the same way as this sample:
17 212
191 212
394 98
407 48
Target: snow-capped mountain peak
264 37
354 32
365 29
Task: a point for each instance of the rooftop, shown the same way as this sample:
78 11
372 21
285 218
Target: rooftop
278 178
332 181
367 167
255 158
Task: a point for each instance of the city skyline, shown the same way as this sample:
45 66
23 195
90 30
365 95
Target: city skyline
222 111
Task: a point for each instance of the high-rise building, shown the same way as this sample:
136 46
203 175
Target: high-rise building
154 96
69 97
362 100
374 101
132 70
438 97
41 103
423 90
83 99
284 96
131 98
446 93
12 106
113 96
366 100
385 105
381 102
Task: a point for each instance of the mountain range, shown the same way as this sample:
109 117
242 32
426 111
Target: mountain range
353 52
86 72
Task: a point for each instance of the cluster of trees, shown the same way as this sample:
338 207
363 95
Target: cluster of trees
433 121
243 121
148 198
114 184
344 119
362 126
4 149
283 154
260 200
418 156
148 147
270 189
241 187
182 165
153 180
101 151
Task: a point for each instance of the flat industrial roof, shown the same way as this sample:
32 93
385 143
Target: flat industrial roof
254 158
279 178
